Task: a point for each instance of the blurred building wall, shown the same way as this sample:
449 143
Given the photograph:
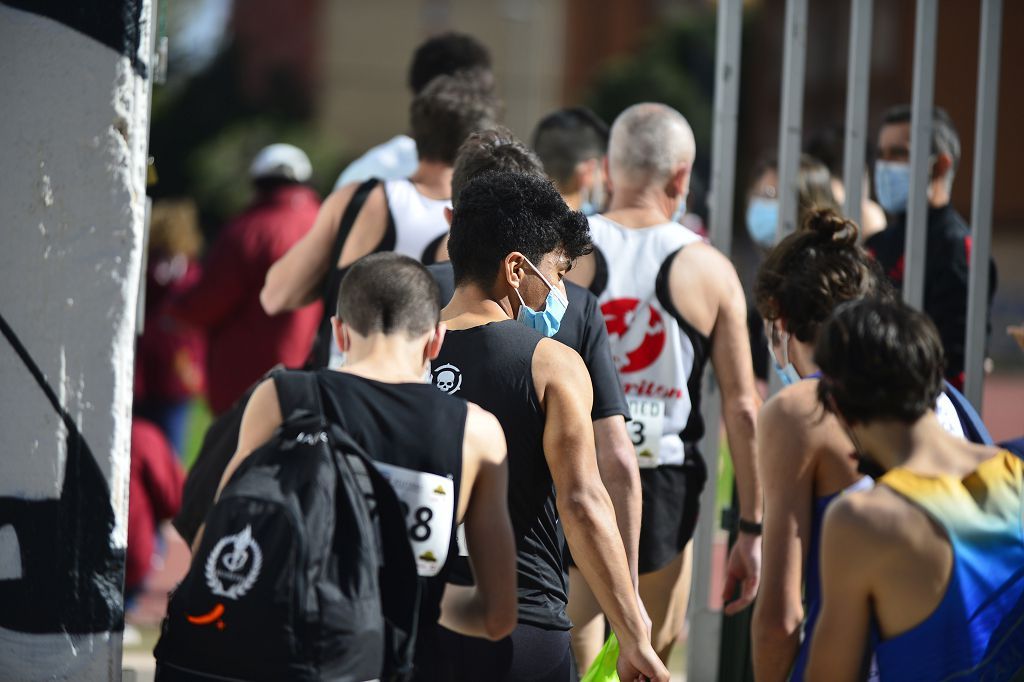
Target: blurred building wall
366 48
74 133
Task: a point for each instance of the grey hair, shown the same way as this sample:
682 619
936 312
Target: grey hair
649 142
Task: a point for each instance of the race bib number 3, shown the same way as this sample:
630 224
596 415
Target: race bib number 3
645 429
428 501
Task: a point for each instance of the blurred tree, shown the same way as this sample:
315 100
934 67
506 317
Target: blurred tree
675 66
205 133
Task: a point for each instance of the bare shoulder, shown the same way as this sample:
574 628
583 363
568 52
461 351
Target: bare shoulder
556 366
873 520
555 360
263 405
484 435
704 258
793 407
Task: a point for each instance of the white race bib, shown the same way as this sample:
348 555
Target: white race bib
428 501
645 430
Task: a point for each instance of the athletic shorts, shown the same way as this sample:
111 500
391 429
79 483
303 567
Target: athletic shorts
671 503
529 654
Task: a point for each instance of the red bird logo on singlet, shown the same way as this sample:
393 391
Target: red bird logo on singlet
637 337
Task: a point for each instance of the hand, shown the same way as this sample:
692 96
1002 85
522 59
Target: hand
744 570
639 664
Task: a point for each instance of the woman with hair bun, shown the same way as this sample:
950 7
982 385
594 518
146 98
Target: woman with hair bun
805 456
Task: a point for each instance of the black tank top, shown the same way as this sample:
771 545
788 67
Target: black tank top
492 366
419 430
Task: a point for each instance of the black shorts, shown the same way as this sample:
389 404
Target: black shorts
671 505
529 654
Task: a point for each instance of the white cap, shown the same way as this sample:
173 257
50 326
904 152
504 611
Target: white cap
281 161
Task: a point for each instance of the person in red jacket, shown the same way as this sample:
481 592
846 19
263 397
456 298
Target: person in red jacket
243 341
154 494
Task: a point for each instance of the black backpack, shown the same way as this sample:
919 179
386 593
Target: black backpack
287 581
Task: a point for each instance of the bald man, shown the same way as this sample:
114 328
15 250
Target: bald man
671 303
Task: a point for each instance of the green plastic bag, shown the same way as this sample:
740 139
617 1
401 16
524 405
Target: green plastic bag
603 669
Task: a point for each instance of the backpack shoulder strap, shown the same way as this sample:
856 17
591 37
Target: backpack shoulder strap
348 218
298 393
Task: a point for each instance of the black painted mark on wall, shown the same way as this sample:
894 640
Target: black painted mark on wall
72 576
115 23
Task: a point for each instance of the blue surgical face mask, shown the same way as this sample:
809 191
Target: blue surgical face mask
892 185
677 216
592 198
545 321
786 371
763 220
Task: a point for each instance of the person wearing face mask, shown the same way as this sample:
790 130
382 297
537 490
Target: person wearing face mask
925 566
581 328
512 239
948 237
571 143
814 190
671 303
804 456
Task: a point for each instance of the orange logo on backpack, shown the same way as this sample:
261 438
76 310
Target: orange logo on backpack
207 618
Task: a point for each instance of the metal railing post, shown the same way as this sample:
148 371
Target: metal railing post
791 116
922 105
705 622
857 86
982 188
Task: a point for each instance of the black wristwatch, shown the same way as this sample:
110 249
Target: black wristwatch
749 527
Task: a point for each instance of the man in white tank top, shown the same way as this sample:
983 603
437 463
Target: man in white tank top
671 303
405 216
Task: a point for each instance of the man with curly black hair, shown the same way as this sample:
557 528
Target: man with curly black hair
512 240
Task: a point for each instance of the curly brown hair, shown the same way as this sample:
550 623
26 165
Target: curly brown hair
815 269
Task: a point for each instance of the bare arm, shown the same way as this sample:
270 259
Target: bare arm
296 279
487 609
616 462
261 417
840 636
584 507
701 274
786 468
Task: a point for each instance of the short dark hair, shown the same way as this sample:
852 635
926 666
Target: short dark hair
446 112
812 271
879 360
493 149
388 293
945 139
566 137
444 55
500 212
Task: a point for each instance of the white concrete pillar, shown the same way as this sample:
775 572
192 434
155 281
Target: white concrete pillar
73 143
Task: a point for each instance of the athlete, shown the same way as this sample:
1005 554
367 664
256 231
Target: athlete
582 329
405 216
446 457
804 455
671 303
930 562
571 143
512 240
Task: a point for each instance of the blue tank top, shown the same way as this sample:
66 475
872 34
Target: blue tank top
977 630
812 575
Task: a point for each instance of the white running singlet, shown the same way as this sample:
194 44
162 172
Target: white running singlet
419 220
653 353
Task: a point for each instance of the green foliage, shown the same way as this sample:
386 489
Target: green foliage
205 133
675 66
